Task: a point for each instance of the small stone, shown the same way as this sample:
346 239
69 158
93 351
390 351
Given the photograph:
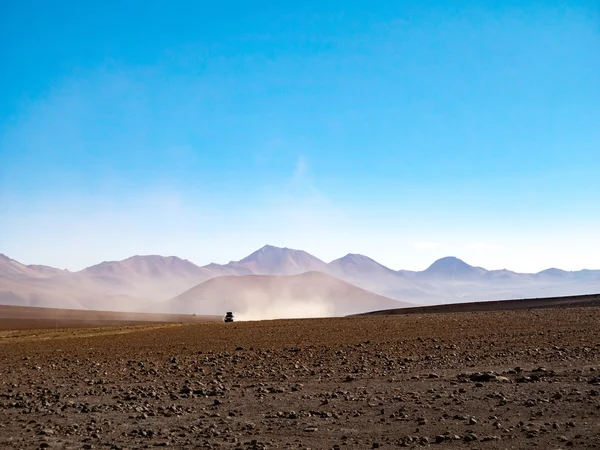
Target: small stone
469 437
486 376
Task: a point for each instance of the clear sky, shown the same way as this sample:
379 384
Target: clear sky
403 130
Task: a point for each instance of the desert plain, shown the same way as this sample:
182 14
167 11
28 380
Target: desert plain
512 379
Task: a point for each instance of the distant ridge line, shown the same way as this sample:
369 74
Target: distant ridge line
587 300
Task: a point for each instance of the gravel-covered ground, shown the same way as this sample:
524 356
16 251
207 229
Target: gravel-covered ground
506 379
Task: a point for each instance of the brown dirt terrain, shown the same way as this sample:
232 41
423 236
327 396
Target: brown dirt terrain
26 317
485 380
573 301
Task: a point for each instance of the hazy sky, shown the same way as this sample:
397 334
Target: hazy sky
208 129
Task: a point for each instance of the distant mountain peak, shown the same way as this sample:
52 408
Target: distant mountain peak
356 257
357 265
553 271
145 266
451 266
270 251
10 267
274 249
449 259
269 247
357 260
271 260
153 258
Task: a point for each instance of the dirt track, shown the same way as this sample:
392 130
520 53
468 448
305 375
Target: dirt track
363 382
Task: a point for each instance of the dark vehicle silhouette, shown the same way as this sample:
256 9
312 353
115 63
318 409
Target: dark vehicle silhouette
228 317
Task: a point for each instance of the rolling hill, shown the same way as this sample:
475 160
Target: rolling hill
311 294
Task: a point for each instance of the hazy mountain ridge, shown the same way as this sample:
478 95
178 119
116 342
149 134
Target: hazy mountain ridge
375 277
138 281
452 267
270 260
358 264
11 268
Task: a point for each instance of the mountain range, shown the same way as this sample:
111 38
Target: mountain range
264 279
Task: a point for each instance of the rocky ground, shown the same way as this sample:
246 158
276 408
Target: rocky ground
488 380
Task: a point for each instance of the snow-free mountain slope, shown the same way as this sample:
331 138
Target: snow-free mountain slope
311 294
57 292
150 276
587 275
554 273
358 265
47 271
13 269
453 268
126 285
270 260
375 277
504 275
150 266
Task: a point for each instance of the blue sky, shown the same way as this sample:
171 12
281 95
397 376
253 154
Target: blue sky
405 131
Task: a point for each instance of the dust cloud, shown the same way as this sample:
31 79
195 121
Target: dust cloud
286 309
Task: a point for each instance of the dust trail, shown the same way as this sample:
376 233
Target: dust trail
287 309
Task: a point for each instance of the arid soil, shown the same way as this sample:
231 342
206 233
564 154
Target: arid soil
572 301
486 380
26 317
